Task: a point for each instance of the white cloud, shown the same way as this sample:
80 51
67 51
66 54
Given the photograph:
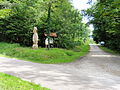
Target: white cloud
81 4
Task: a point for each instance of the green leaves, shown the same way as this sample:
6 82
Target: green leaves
4 12
106 22
18 22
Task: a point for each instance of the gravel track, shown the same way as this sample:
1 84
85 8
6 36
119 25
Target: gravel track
96 71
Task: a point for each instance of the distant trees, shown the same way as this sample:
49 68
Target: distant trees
106 21
20 16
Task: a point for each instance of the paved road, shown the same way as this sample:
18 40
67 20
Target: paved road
97 71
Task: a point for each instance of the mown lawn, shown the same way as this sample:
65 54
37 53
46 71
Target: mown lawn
109 50
8 82
41 55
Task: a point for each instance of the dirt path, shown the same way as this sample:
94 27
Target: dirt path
97 71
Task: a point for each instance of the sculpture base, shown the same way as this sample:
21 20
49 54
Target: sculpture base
35 46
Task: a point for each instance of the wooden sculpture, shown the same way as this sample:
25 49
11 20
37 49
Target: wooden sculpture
35 38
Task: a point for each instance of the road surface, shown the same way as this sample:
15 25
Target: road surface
96 71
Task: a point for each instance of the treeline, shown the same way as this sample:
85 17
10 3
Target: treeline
106 20
18 17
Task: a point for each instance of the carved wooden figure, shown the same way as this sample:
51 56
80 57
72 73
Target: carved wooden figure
35 38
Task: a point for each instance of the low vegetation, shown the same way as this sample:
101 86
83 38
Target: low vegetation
42 55
110 51
8 82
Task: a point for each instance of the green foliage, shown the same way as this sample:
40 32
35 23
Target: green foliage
8 82
42 55
110 51
23 15
5 8
4 12
106 22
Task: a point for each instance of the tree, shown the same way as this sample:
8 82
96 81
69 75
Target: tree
106 22
59 16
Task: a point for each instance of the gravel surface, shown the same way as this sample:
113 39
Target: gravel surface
96 71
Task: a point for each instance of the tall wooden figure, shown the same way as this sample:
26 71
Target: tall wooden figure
35 38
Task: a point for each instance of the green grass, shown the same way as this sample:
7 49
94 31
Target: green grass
8 82
41 55
109 50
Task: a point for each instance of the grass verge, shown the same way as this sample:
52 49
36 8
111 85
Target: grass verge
109 50
41 55
8 82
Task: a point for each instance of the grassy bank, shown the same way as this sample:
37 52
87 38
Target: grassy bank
8 82
109 50
41 55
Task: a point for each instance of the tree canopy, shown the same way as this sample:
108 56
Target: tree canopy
106 20
18 17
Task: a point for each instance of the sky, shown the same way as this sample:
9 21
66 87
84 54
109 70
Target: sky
80 5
